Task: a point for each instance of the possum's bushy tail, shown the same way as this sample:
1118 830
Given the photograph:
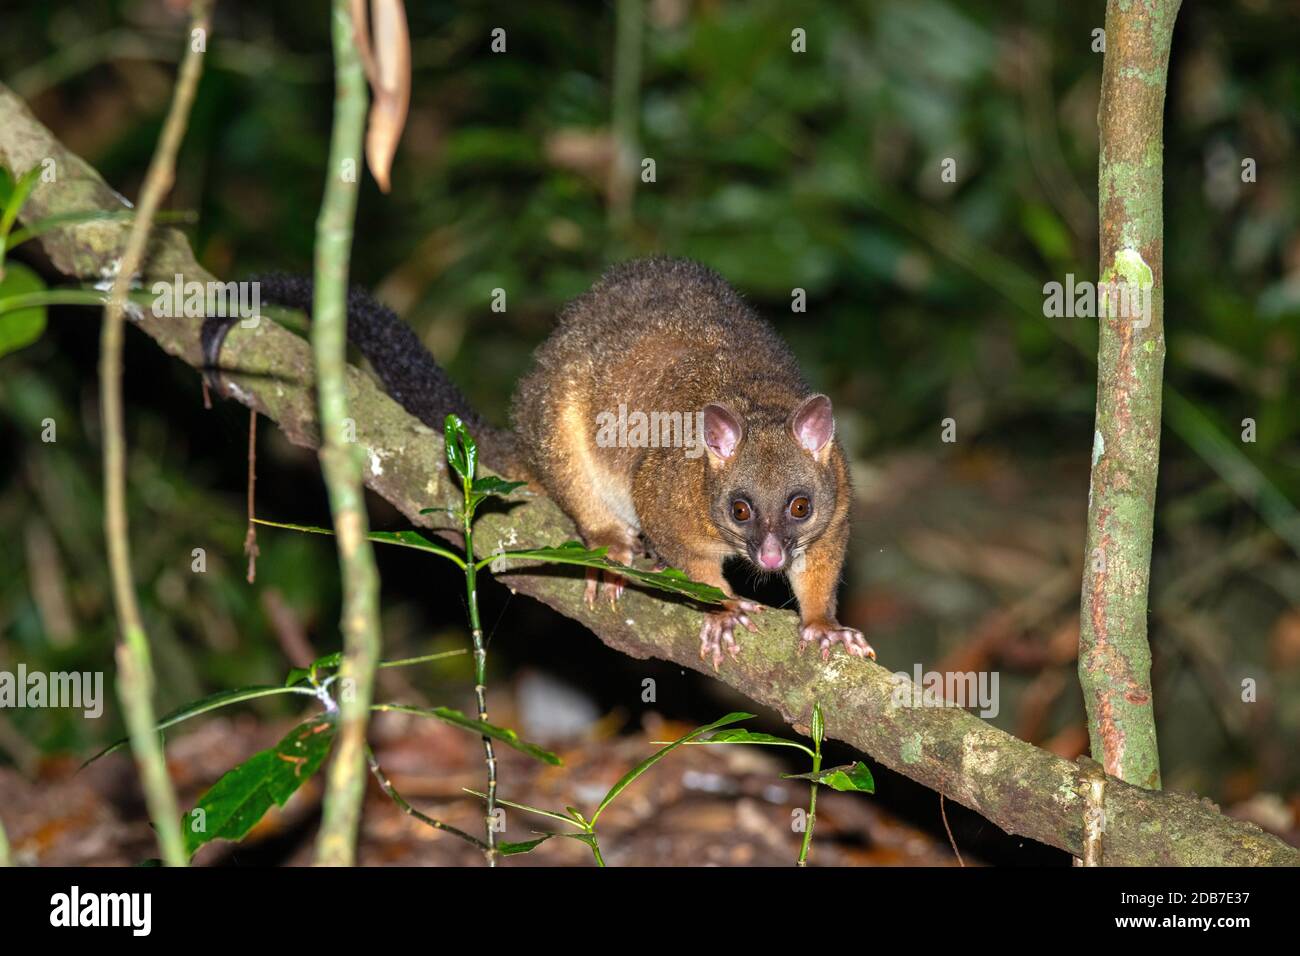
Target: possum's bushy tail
409 374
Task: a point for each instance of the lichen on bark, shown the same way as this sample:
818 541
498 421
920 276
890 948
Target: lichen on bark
1114 654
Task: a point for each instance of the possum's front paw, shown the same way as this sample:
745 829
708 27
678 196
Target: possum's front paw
829 633
719 629
610 584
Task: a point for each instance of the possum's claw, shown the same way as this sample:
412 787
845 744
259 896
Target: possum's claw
609 584
719 630
829 633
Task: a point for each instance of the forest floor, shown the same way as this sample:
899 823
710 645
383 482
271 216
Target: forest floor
725 806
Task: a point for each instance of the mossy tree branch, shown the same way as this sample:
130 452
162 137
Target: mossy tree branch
1114 656
1022 789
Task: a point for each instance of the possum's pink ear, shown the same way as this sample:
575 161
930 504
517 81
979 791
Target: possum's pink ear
722 432
813 425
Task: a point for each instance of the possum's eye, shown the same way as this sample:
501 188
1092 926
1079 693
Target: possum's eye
800 507
741 511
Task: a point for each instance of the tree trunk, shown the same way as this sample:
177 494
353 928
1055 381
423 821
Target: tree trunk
1114 656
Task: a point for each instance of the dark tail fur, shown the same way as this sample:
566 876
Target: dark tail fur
409 374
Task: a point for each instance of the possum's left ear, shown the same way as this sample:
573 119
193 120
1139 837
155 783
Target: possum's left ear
813 426
722 433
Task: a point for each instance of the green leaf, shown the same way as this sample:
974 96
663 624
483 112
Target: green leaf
22 327
404 539
242 796
6 186
587 838
573 552
425 658
327 662
492 485
848 778
465 722
674 582
738 735
62 220
66 295
582 837
654 758
487 485
510 849
570 552
14 197
331 661
194 709
578 818
818 725
462 452
525 807
1236 468
1042 225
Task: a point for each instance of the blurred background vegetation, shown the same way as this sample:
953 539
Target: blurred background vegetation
781 170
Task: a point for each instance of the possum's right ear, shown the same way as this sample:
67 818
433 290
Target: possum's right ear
813 426
722 433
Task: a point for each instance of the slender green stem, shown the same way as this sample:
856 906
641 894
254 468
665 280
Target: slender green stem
47 297
29 300
134 667
387 786
595 849
4 846
22 188
422 659
480 673
340 457
812 809
627 81
66 220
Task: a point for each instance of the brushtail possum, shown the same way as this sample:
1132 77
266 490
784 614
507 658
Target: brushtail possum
740 458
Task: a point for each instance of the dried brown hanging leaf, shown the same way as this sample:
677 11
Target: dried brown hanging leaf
388 67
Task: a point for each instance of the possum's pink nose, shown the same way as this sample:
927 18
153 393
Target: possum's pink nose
771 555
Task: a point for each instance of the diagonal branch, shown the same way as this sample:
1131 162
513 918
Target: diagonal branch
1022 789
